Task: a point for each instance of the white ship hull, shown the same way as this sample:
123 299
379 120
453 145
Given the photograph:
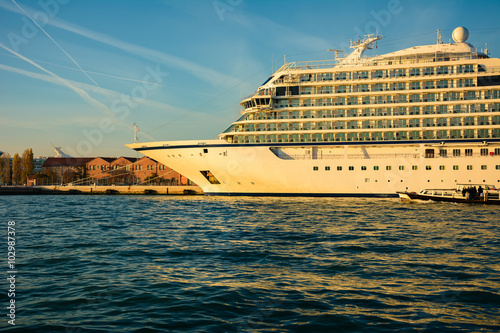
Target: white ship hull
347 169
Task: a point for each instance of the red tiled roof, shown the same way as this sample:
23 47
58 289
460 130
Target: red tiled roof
66 161
130 159
107 159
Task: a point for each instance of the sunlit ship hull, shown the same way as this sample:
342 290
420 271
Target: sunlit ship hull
320 170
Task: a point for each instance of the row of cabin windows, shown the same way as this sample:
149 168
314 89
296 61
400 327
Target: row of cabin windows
360 124
387 99
367 136
416 85
469 152
367 112
391 73
402 167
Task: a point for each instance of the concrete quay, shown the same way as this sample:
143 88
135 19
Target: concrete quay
109 190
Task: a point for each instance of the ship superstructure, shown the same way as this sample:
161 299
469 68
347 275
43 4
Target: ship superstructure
357 126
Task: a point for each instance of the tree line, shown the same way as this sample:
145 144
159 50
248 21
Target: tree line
17 172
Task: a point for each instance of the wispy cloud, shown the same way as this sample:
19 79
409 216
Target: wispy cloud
55 42
121 78
48 124
108 93
82 93
194 69
277 32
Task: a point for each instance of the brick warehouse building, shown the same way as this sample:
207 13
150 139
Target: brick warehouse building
130 170
112 170
97 167
64 169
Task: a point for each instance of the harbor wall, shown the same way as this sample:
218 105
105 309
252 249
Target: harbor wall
136 189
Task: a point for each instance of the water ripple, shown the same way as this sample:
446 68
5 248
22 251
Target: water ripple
209 264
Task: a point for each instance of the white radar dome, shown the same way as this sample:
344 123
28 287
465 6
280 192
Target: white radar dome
460 34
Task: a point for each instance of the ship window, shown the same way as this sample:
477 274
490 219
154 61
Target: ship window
442 70
339 168
269 79
340 76
456 152
455 167
429 153
497 167
414 167
363 167
351 168
388 167
443 152
377 74
280 91
428 167
375 167
488 80
484 151
210 177
468 152
315 168
483 167
441 167
401 167
469 167
327 168
497 151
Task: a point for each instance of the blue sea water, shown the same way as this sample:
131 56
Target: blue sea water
245 264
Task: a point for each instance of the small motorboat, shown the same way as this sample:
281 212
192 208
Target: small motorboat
464 193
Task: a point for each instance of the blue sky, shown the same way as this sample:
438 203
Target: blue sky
88 69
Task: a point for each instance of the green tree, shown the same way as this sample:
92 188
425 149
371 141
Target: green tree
16 170
5 169
28 165
51 176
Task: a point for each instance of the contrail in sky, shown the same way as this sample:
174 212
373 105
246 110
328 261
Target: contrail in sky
88 87
52 39
83 94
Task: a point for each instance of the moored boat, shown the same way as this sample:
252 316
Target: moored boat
486 195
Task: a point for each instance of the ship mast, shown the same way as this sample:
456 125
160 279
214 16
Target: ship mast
360 47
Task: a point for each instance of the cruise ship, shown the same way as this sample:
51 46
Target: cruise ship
422 117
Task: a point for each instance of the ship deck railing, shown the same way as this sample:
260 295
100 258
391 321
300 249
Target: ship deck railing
378 61
319 156
342 156
307 81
